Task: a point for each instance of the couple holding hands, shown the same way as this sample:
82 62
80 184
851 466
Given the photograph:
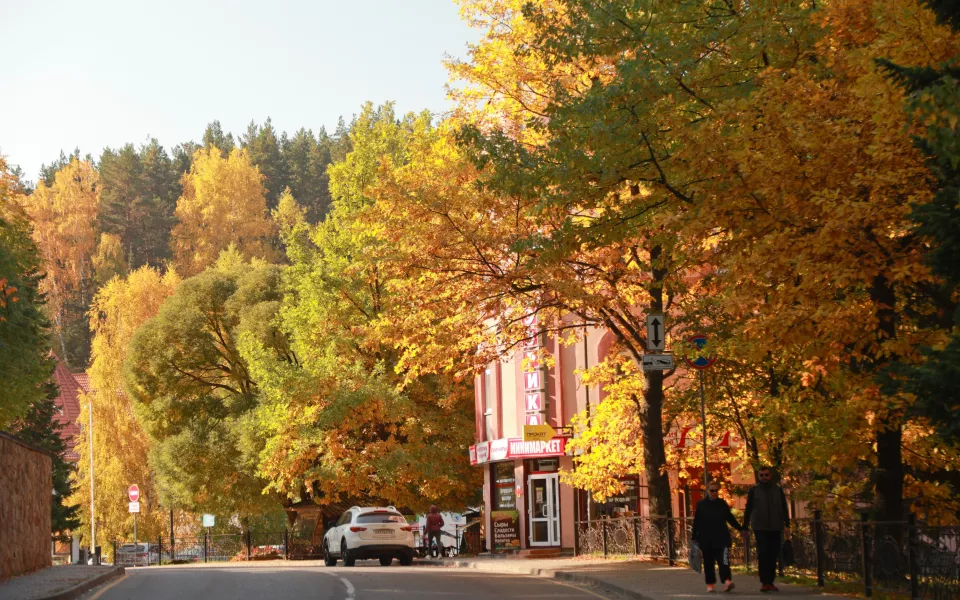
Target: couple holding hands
766 513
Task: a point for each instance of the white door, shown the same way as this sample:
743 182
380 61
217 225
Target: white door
543 506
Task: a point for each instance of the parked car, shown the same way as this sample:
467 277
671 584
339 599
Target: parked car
136 555
189 554
369 532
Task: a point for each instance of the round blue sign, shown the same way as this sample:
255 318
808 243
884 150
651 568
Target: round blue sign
700 362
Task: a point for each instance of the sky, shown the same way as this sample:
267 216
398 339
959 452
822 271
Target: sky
98 73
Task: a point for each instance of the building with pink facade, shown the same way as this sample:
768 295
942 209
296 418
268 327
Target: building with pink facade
526 506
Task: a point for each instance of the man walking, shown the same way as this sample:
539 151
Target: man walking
434 527
767 514
711 534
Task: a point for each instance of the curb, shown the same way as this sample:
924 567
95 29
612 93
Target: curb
566 576
81 588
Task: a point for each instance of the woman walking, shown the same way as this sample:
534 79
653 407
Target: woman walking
711 534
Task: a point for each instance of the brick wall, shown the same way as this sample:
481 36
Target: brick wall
26 488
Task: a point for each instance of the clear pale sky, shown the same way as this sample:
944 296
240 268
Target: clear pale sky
102 73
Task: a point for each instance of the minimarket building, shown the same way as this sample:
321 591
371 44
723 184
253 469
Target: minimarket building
526 508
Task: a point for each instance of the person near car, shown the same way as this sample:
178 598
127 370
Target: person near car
711 534
767 514
434 527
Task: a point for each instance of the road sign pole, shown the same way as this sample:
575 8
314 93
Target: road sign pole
136 548
703 420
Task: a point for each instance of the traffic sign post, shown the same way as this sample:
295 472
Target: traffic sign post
656 332
133 493
702 363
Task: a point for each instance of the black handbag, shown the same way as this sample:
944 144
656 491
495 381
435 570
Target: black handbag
786 554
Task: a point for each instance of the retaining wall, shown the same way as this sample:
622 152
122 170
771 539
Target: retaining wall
26 488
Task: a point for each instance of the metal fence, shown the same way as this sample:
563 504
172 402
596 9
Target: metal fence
210 547
904 557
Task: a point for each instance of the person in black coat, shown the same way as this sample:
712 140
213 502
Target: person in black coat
710 531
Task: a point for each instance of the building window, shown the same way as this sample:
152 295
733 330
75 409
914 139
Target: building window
504 486
489 401
544 465
626 503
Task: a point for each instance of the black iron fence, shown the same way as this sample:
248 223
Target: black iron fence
214 547
904 557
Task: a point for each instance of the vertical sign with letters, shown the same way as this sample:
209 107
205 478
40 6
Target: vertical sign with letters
534 376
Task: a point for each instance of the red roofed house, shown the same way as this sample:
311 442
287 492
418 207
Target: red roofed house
68 404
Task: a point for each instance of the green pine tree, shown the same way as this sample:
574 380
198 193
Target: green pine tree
40 428
306 160
214 136
935 100
263 146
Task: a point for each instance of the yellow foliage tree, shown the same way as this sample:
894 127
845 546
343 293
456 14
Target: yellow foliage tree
64 218
120 445
223 203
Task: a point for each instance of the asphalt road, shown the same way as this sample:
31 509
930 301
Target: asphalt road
364 582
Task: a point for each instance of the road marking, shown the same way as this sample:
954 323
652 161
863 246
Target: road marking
107 587
351 591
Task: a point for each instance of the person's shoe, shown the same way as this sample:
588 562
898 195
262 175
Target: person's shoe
766 588
729 587
774 588
709 587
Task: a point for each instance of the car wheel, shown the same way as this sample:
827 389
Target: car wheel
328 559
348 561
406 560
385 561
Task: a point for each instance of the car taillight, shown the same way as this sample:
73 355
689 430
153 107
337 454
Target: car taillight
355 529
406 528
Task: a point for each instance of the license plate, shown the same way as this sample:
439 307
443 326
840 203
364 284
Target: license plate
383 532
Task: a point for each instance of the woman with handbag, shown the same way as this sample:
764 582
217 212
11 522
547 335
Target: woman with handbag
710 532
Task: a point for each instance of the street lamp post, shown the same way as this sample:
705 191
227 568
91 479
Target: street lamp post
93 514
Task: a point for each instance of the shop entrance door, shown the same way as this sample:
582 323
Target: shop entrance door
543 505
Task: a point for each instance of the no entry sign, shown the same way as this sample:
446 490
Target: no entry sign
134 492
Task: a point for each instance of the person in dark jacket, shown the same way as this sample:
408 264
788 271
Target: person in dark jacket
711 534
434 527
767 513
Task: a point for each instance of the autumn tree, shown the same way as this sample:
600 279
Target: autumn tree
223 204
48 172
24 328
65 229
120 445
342 420
192 388
573 116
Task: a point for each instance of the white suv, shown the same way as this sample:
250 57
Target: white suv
369 532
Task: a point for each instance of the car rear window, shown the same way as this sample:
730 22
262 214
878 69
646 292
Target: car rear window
380 517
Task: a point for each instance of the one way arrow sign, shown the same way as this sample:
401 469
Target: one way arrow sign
656 338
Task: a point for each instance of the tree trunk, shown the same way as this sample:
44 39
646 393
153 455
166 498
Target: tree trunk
890 474
889 434
651 411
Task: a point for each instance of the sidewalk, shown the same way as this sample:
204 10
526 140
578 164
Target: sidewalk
635 579
57 583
